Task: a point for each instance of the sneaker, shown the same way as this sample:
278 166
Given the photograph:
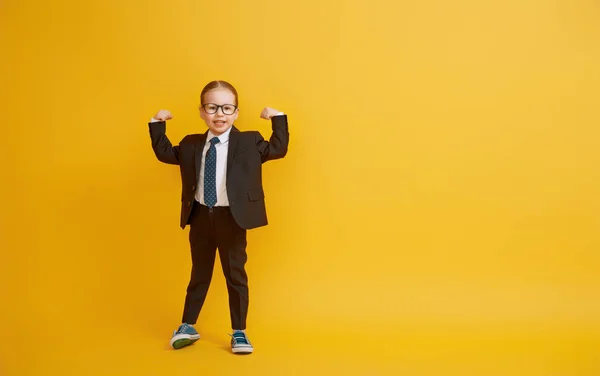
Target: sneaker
240 344
185 335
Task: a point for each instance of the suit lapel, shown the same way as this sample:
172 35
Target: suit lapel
198 154
233 142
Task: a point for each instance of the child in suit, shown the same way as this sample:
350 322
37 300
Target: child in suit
222 197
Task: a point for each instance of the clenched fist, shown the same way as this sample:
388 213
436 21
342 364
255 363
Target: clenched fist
163 115
268 113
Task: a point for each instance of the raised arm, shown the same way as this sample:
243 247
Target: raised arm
163 149
277 145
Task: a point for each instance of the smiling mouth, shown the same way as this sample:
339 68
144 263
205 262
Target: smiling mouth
219 122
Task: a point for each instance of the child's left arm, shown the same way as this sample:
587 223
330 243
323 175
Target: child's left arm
277 145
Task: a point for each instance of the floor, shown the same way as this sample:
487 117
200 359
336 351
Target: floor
72 348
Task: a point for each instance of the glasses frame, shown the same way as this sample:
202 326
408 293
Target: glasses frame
219 106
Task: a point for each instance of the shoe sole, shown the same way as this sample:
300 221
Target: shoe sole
242 350
183 340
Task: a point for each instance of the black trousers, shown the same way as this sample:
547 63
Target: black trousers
212 229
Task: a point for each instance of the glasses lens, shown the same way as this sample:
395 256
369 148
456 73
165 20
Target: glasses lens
228 109
210 108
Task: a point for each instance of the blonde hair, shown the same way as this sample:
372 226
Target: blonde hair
218 84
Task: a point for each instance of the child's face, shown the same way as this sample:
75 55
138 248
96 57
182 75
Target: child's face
219 122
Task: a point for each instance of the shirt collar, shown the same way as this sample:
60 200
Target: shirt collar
222 138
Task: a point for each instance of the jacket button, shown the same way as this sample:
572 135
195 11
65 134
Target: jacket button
189 203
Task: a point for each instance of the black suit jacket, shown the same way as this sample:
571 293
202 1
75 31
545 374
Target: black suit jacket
247 152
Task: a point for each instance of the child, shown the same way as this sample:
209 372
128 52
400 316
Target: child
222 197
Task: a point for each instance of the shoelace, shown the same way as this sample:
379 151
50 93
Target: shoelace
183 328
240 338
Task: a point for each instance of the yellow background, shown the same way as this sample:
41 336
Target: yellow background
437 213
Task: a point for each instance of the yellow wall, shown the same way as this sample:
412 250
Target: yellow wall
443 165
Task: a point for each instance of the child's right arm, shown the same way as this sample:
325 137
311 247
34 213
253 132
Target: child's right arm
164 150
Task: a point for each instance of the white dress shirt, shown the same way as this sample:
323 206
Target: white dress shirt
222 150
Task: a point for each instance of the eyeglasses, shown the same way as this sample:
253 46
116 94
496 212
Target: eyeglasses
211 108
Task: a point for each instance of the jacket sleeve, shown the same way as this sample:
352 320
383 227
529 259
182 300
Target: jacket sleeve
277 145
163 149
